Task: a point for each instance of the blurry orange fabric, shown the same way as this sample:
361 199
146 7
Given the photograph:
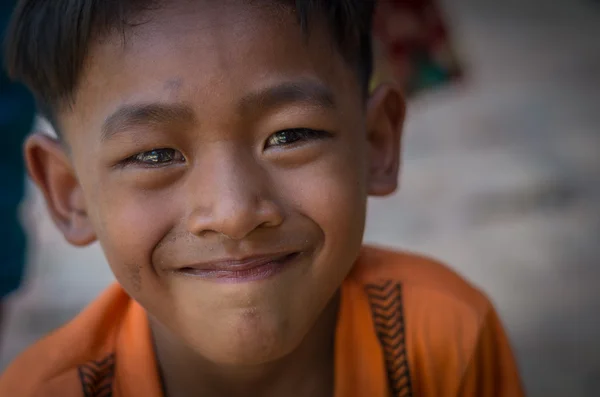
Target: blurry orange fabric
407 326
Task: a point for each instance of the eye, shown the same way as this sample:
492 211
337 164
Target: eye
157 157
288 137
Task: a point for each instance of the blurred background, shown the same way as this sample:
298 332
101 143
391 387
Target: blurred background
501 180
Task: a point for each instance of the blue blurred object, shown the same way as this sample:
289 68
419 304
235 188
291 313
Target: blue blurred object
17 112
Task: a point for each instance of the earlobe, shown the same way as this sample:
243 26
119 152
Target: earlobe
51 170
385 121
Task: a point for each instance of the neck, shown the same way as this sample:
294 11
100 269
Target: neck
306 371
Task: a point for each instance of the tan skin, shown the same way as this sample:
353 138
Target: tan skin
262 144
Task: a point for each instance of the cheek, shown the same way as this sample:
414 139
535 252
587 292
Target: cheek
342 216
129 224
338 205
332 193
339 201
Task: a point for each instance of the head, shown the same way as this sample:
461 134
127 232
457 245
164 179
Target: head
201 139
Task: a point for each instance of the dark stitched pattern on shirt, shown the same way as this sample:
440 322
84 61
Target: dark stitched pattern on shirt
388 316
97 377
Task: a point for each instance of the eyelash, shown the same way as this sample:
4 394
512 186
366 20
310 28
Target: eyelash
172 153
301 134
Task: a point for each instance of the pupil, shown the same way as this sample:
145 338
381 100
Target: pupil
287 137
158 156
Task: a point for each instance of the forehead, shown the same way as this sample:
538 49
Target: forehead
208 53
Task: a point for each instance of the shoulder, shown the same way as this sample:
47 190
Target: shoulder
432 312
420 277
59 363
432 295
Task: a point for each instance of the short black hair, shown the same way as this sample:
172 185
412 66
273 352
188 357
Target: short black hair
48 41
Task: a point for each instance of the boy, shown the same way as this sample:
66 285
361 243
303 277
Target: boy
222 153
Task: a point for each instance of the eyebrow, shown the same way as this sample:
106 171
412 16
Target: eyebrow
309 92
136 115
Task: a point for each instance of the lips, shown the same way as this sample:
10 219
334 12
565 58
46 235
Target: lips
242 270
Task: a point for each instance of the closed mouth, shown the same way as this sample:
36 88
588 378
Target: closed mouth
248 269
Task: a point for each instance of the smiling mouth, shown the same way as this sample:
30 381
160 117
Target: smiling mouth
245 270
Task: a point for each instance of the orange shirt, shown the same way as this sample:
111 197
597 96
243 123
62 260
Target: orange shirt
407 326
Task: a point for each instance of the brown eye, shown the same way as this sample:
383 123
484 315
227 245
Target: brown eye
288 137
158 157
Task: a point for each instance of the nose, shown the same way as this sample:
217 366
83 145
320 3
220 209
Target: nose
231 196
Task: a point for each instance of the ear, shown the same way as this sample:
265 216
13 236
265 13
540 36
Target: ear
385 121
50 168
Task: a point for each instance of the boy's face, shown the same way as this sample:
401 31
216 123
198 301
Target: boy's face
223 162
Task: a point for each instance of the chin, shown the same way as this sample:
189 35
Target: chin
252 342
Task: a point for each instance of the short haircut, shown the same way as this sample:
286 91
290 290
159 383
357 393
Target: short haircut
48 41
